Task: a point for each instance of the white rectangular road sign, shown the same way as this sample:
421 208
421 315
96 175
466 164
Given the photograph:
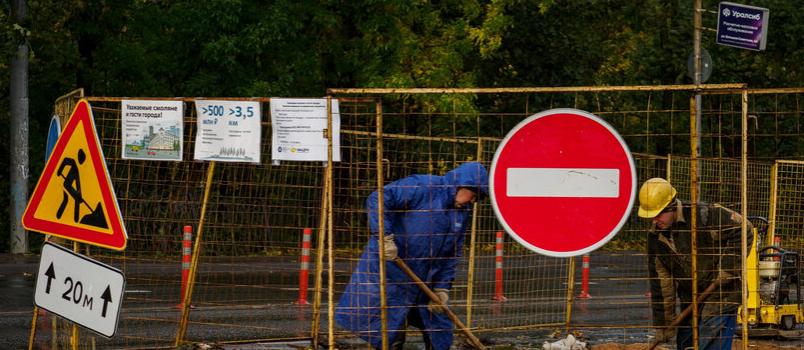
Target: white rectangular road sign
563 182
82 290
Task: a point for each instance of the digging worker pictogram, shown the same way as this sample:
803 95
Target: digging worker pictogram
72 189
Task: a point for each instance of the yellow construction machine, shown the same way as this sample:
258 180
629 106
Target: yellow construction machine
772 274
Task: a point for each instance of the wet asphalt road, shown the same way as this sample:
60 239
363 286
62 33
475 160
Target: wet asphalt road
617 311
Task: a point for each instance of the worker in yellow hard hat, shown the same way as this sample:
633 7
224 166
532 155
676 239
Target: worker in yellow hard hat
654 196
718 239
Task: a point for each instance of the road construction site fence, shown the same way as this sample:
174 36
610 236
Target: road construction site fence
248 248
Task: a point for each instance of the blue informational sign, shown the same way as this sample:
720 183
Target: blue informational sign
742 26
53 134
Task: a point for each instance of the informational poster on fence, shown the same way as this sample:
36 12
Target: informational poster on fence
298 126
152 130
228 131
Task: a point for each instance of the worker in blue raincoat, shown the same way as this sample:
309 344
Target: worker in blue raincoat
426 217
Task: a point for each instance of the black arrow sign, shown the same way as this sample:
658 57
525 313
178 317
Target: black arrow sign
107 298
50 276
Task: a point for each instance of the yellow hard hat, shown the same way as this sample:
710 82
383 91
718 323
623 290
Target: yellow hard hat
654 195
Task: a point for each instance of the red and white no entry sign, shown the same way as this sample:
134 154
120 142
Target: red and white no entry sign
563 182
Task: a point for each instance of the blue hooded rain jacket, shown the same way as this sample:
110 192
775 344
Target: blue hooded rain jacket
429 233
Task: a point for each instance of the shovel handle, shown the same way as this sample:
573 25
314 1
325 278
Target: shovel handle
399 262
686 312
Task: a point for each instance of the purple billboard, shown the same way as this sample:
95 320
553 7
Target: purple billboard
742 26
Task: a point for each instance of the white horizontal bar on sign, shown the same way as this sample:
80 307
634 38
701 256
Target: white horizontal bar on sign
563 182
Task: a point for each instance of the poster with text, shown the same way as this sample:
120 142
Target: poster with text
742 26
298 129
152 130
228 131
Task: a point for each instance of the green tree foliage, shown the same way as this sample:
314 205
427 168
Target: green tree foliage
301 47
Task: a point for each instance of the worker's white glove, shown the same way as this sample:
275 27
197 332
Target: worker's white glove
443 296
391 251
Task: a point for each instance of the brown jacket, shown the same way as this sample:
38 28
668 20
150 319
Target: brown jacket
719 233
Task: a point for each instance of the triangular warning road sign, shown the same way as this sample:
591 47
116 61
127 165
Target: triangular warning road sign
74 198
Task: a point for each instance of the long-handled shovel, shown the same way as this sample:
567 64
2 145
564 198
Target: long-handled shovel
435 298
686 312
95 216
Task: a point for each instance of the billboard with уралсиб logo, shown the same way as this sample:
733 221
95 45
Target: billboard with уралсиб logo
742 26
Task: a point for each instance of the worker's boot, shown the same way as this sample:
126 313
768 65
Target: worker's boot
399 343
428 345
323 342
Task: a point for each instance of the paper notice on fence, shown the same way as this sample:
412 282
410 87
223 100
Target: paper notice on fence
228 131
298 129
152 130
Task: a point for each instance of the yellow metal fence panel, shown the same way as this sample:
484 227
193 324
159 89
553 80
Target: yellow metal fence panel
719 182
788 222
247 286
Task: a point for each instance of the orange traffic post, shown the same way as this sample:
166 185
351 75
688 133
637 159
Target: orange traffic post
305 269
186 258
585 281
498 267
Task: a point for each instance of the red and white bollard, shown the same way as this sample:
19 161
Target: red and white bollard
186 260
305 269
585 278
498 280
